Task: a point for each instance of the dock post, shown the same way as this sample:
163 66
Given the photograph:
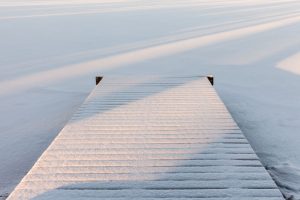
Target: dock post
98 79
211 79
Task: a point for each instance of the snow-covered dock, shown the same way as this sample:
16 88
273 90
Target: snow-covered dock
150 138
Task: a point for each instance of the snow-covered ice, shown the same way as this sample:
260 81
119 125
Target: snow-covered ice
52 50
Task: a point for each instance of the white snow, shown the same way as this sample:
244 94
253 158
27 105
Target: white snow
52 50
291 64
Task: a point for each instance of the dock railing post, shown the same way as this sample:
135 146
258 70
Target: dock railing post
211 79
98 79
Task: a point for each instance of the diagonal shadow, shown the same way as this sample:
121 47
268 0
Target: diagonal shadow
138 56
191 32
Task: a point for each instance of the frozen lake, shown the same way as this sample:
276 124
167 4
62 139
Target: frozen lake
52 50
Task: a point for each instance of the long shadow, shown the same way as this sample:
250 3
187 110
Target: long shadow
84 56
91 108
186 33
137 56
212 170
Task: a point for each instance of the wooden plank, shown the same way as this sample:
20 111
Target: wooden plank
150 138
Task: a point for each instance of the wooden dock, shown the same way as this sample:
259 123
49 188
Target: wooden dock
149 138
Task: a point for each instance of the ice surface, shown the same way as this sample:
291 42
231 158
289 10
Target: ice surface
52 50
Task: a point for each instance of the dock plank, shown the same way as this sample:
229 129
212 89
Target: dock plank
150 138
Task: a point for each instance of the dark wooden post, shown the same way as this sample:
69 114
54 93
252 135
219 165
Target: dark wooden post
211 79
98 79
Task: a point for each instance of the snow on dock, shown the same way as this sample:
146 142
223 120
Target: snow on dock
150 138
